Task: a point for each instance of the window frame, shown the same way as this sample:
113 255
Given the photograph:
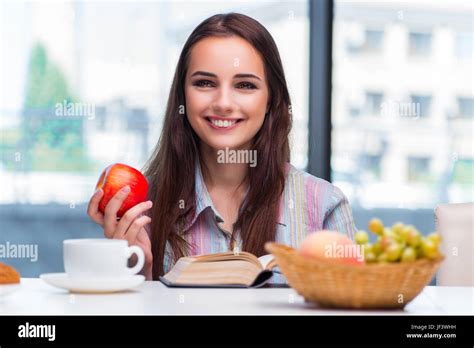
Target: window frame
321 15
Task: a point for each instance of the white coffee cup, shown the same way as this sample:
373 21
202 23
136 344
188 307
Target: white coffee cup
100 258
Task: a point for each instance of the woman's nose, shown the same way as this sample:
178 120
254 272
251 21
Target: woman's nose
223 101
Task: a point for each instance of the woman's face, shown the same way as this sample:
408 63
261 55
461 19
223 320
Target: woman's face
226 92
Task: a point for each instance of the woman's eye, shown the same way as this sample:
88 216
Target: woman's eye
246 85
203 83
207 83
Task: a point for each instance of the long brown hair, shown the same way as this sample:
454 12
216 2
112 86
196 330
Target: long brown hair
171 167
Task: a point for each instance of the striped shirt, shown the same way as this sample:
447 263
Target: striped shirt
308 204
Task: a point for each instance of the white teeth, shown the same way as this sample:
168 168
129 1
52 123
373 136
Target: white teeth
223 124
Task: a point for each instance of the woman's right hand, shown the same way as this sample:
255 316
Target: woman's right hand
131 225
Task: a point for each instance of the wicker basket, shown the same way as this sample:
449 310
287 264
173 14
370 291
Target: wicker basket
330 284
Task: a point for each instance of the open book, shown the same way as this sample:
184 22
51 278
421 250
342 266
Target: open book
227 269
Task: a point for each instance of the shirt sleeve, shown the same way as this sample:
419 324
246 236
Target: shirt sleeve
338 216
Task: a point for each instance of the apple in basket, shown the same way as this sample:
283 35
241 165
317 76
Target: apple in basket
115 177
332 246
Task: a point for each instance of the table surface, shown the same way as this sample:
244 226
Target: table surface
35 297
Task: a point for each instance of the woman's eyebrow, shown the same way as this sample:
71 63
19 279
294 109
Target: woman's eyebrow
205 73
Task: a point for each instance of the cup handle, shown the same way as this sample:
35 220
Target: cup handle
134 249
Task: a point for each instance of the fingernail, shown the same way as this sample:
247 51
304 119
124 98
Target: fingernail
126 189
149 204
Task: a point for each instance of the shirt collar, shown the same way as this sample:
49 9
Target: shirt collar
204 201
203 198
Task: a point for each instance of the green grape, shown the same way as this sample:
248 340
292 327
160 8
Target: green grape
367 249
389 233
393 252
435 238
397 227
382 257
404 232
386 241
370 257
376 226
361 237
429 249
409 254
414 237
377 248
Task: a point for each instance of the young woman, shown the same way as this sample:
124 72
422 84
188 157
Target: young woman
229 100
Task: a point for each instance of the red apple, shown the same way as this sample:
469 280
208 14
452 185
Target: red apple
114 178
332 246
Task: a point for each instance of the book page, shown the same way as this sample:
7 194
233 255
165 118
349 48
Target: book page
265 260
227 256
268 262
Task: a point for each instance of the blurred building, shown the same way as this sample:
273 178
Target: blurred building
403 103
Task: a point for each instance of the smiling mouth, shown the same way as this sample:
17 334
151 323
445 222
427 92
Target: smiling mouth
222 124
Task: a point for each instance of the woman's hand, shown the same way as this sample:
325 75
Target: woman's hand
131 226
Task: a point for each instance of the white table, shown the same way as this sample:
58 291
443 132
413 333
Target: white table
153 298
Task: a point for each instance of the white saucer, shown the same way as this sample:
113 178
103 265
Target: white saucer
6 289
92 285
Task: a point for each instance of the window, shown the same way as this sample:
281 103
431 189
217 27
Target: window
465 107
371 165
372 42
464 45
354 112
373 103
422 104
420 44
418 169
463 172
